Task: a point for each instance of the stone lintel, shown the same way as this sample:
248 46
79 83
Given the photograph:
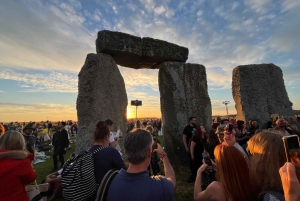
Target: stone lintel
135 52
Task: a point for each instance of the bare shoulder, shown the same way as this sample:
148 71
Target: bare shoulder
215 185
217 191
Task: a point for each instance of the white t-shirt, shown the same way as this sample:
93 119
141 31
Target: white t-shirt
111 137
67 129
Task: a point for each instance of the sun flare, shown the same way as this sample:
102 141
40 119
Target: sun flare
129 114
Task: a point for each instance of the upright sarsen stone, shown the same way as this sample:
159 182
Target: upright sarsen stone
183 93
259 91
101 96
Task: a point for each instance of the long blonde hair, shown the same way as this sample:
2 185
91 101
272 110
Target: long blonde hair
12 140
267 156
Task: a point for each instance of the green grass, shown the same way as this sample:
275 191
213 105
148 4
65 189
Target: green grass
183 192
44 169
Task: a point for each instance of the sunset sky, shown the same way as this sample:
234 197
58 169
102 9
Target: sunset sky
43 45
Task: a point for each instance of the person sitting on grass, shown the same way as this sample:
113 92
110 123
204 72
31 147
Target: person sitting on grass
30 139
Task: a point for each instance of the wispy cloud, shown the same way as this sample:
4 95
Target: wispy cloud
27 107
139 78
46 82
290 4
58 40
57 35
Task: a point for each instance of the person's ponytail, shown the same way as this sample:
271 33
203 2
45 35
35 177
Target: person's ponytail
101 131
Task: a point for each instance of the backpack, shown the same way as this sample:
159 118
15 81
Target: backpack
78 176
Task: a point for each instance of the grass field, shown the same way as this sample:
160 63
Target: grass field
184 190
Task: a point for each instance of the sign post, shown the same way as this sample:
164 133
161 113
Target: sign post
136 103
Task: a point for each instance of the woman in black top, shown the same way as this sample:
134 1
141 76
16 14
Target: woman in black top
108 158
197 147
209 148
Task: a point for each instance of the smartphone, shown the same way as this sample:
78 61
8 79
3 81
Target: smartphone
230 127
154 145
292 148
207 159
292 151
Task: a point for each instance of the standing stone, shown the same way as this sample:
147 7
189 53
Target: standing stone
101 96
183 93
259 91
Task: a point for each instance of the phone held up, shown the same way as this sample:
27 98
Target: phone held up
230 127
207 160
292 151
154 144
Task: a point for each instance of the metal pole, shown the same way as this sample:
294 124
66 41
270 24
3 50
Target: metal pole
136 113
226 110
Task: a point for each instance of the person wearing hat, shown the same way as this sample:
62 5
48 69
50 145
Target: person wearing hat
30 139
220 132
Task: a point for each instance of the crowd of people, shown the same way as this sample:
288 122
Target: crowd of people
243 161
231 161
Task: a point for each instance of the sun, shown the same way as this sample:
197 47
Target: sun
129 114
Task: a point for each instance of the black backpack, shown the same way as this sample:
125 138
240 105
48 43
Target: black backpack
78 176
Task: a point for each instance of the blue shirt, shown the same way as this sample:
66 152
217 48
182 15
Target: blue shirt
106 160
139 186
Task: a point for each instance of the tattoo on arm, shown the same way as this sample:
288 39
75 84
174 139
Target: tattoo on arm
208 199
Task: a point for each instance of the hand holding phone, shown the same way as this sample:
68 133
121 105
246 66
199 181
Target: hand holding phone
292 151
207 161
154 144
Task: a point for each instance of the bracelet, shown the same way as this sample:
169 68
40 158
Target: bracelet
162 156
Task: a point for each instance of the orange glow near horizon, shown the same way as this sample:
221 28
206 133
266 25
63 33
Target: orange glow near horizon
70 114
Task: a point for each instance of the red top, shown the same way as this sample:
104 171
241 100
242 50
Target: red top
14 175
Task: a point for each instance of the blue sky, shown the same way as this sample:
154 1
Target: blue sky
43 45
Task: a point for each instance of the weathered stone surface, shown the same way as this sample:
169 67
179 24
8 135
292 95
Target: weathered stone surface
136 52
259 91
183 93
101 96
